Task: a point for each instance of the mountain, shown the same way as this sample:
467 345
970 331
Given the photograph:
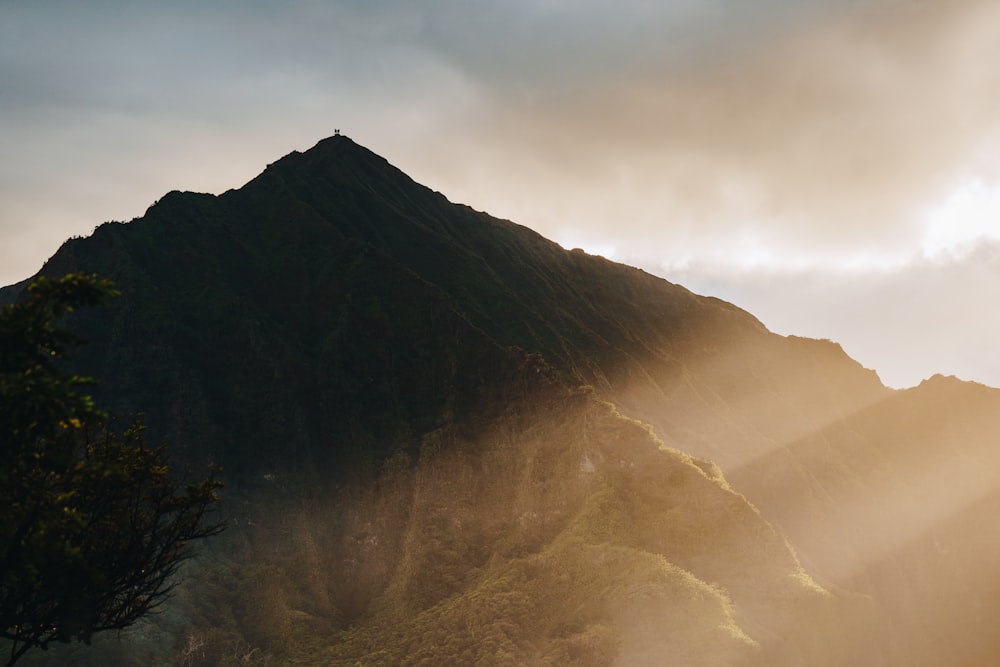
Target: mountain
448 440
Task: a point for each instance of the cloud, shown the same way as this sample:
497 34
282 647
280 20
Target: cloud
803 129
816 138
908 322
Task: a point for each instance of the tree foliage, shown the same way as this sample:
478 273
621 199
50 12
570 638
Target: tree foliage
92 523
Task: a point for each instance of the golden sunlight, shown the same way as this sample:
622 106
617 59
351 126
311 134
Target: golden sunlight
968 214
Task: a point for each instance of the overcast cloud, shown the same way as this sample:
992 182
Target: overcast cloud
832 166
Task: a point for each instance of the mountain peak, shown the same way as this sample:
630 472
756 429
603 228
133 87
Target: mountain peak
341 162
338 147
337 141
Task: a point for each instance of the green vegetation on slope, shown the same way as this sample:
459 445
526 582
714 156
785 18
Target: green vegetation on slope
535 538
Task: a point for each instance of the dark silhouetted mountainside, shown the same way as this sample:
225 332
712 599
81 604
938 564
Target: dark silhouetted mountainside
308 253
449 440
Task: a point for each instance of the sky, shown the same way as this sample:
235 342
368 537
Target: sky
831 166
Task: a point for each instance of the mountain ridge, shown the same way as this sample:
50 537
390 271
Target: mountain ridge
450 409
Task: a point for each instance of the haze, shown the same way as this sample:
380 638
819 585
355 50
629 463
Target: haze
830 166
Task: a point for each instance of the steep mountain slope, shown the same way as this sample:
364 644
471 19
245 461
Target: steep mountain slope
900 501
283 255
395 386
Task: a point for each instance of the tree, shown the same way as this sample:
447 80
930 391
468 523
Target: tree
92 524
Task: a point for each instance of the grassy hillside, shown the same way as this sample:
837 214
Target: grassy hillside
558 533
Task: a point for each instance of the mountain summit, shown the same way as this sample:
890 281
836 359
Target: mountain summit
449 440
